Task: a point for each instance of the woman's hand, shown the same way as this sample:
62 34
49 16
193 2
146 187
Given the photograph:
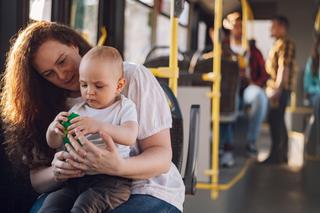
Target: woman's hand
61 169
89 157
84 124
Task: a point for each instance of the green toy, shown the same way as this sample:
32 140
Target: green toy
66 124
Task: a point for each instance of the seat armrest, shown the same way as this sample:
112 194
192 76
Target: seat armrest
190 171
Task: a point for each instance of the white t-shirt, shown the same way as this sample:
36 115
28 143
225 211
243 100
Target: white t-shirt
153 116
121 111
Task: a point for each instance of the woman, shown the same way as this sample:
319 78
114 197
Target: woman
311 75
312 89
41 79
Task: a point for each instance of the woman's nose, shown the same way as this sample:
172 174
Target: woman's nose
62 75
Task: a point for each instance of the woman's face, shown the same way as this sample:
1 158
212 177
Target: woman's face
59 64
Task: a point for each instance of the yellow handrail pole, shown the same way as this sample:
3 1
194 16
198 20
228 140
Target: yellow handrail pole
103 36
244 40
173 59
317 22
247 14
216 96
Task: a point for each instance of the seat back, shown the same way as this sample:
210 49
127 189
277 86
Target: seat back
176 131
190 178
230 81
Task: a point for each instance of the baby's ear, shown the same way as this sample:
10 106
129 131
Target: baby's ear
121 84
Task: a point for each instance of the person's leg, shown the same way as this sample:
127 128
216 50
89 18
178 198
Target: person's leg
90 201
38 203
104 192
226 136
278 131
283 145
258 101
59 201
226 141
316 112
145 204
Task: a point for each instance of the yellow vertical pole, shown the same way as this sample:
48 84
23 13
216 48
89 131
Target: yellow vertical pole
173 61
317 21
216 97
244 41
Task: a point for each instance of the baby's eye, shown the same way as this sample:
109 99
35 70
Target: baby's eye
84 85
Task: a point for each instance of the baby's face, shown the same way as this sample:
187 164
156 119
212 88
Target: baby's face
98 83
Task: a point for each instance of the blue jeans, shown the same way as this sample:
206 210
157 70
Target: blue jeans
255 97
145 204
226 134
136 203
315 103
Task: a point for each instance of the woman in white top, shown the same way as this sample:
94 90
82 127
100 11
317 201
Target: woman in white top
41 77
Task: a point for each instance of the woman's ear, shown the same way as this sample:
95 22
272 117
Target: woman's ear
76 48
121 84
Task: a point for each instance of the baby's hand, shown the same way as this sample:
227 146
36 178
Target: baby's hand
56 125
84 124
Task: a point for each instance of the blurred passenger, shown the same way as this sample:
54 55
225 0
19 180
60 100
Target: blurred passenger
226 127
281 67
312 86
253 78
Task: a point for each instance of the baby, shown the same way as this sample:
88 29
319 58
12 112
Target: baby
102 108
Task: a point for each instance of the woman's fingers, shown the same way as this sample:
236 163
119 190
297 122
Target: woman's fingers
62 165
74 154
77 146
63 170
111 146
62 175
61 156
80 166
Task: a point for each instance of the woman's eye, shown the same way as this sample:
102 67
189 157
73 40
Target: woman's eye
62 61
48 74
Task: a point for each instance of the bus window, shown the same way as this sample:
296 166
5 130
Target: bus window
84 18
163 31
137 31
40 10
260 30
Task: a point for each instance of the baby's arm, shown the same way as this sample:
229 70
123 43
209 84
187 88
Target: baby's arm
55 131
125 134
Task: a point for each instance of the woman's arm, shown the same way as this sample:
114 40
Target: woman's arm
44 179
154 159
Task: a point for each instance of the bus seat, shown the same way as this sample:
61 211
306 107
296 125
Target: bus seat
176 131
230 81
190 178
177 139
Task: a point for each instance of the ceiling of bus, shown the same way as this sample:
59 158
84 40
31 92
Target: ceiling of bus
228 5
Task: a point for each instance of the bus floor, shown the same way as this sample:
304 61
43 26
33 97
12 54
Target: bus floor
264 188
